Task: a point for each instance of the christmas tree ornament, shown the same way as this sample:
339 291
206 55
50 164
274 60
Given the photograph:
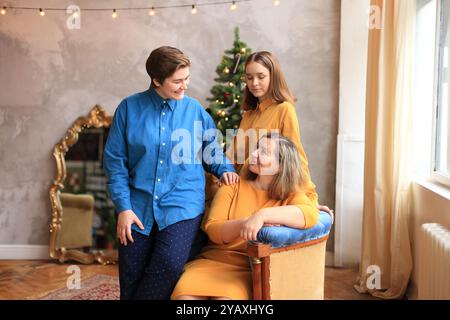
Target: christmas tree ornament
237 59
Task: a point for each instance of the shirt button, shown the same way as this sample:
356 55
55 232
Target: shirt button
156 197
164 144
159 180
163 128
160 161
164 113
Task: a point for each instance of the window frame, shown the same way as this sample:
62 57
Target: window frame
436 175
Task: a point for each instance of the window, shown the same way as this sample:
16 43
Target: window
441 128
431 115
425 56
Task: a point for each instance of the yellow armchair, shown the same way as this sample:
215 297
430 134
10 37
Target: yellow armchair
77 220
289 264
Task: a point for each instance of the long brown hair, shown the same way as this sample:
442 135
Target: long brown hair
278 87
290 176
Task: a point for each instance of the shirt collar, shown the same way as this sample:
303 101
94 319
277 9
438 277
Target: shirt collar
159 100
263 105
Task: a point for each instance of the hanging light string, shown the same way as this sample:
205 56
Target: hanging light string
152 8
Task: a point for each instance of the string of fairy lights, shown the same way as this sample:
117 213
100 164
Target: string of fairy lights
152 10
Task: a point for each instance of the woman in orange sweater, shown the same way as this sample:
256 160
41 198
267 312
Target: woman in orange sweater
268 105
270 193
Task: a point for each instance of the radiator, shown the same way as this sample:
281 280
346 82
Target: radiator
434 265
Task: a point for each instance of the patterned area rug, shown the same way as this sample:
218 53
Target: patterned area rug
98 287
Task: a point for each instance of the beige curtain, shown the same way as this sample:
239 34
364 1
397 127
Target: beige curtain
386 240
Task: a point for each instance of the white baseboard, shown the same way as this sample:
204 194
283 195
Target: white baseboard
23 252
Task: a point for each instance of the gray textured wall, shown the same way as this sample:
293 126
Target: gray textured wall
50 75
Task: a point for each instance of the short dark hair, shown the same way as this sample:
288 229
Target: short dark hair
165 61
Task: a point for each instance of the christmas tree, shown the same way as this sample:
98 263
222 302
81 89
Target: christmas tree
225 107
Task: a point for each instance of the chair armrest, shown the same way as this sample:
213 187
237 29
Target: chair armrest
258 250
284 236
274 240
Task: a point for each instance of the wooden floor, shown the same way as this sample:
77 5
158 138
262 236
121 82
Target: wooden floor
339 285
33 279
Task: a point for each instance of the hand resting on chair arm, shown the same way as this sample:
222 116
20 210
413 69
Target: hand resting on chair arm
247 228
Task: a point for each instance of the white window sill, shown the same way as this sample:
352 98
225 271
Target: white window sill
435 187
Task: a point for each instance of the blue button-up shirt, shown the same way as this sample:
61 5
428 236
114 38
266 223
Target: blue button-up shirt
155 158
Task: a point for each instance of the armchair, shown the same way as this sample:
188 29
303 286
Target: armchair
78 212
289 263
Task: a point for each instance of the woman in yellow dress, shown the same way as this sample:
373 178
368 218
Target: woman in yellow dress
270 193
268 105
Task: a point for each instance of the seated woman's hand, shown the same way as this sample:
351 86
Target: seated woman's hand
250 228
228 178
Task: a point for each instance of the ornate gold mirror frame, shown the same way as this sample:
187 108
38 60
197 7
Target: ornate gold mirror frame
97 118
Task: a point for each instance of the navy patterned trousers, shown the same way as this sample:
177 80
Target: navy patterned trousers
149 267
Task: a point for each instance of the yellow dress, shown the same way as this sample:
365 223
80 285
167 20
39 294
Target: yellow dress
223 270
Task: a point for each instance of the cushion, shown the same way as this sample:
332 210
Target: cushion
284 236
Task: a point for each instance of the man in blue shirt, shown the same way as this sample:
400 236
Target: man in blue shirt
159 145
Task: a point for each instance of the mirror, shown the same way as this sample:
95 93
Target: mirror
83 226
